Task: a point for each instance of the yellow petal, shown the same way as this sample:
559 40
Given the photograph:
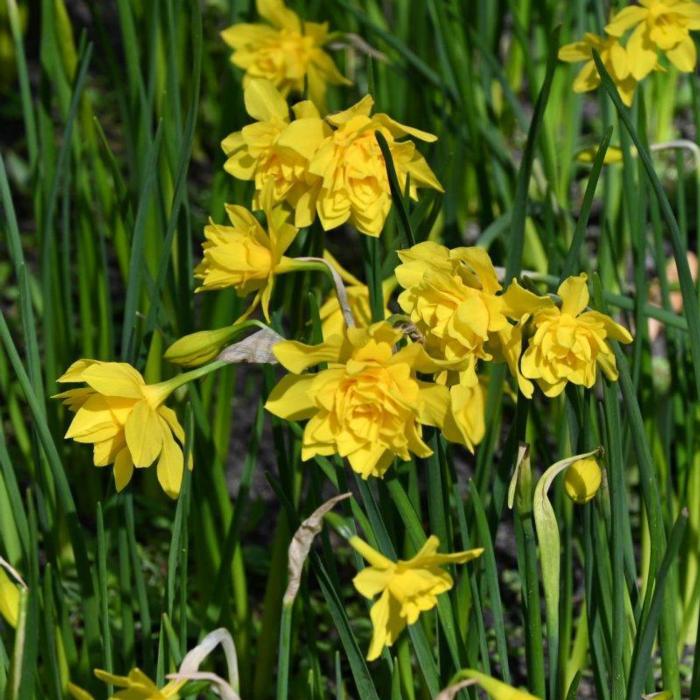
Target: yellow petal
619 61
114 379
684 55
104 452
613 330
277 14
520 301
303 136
385 626
74 398
497 689
75 372
143 435
399 130
575 52
112 679
371 581
291 398
369 554
170 463
361 108
77 693
94 421
626 19
263 101
173 423
242 35
574 294
642 53
296 357
123 469
433 404
587 78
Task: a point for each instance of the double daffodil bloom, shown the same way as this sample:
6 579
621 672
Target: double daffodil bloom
405 588
569 343
275 152
659 25
125 420
619 62
368 405
244 256
354 182
287 52
9 599
450 296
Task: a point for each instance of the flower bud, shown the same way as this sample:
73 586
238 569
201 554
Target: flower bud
583 480
197 348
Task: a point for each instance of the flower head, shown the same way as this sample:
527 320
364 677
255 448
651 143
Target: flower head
138 686
405 588
274 152
569 343
354 182
125 420
618 61
244 256
662 25
286 51
450 296
368 405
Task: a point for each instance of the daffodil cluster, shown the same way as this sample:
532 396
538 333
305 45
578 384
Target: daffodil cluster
649 30
287 51
331 168
456 302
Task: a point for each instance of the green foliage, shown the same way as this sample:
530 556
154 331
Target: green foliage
110 165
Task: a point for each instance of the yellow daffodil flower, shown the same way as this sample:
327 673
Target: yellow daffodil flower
9 599
138 686
569 343
244 256
662 25
367 405
406 588
349 162
617 59
288 52
275 153
583 479
450 296
125 420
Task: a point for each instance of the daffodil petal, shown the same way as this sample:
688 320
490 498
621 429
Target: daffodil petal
143 434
